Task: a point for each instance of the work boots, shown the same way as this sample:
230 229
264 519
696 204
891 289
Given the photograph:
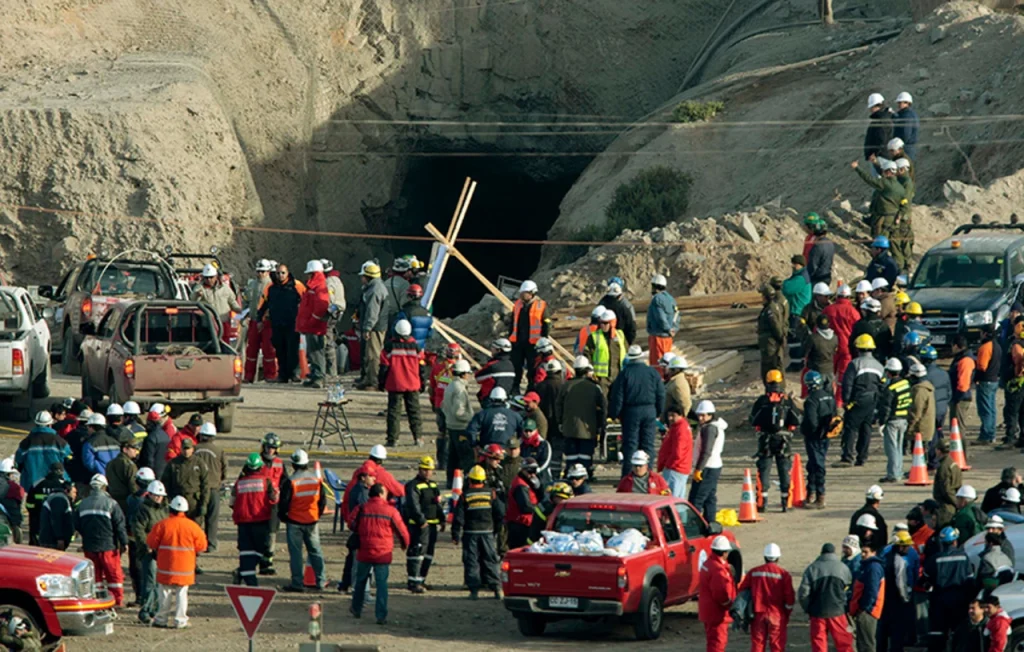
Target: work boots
785 504
819 503
810 500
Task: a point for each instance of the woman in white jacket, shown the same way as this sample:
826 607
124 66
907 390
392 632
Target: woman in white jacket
707 451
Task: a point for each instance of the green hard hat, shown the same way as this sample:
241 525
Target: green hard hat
255 462
812 218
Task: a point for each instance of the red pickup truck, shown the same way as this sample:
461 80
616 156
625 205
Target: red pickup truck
545 587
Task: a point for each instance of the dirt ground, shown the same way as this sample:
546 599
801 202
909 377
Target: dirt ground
444 618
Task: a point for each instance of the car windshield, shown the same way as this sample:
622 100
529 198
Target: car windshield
606 522
951 269
117 280
10 316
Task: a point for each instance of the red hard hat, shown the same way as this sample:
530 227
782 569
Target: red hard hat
453 350
494 450
415 291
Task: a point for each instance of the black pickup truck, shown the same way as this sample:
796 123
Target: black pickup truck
968 281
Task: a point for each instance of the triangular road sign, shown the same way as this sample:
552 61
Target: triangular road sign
251 604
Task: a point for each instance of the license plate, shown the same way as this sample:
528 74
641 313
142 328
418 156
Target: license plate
938 339
108 628
564 603
185 396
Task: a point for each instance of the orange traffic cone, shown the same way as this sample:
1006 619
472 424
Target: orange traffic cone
797 487
918 466
456 493
309 577
748 505
303 363
956 446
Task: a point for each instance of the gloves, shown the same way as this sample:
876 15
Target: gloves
698 476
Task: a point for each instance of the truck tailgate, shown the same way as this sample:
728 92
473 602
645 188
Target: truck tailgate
184 373
563 575
6 360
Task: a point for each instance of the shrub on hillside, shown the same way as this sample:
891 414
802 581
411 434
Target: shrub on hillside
654 197
692 111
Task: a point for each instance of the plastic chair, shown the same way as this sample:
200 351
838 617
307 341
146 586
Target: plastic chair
338 486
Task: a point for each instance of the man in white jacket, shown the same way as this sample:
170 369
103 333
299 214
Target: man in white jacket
458 411
336 292
707 467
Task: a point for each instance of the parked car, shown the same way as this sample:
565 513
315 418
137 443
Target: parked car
24 352
166 352
546 587
55 592
87 291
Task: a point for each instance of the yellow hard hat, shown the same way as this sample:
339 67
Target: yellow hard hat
427 462
902 298
370 269
902 538
477 474
773 376
914 308
865 342
561 489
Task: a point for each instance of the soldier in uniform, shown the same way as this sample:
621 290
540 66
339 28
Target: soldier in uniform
772 329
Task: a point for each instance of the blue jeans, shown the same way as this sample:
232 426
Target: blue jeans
147 586
987 410
676 482
305 538
639 431
893 434
380 578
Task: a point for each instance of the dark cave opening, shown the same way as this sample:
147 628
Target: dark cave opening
511 202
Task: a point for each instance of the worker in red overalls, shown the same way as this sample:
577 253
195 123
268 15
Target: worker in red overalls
771 592
273 469
715 595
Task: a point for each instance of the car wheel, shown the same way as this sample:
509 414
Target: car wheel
21 407
89 393
30 618
224 418
649 619
69 362
1016 639
41 385
531 625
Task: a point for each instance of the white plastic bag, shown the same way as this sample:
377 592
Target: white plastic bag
590 542
628 541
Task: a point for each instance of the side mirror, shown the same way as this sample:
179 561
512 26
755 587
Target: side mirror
45 291
88 328
715 528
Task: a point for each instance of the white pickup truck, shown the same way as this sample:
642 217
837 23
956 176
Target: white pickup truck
24 352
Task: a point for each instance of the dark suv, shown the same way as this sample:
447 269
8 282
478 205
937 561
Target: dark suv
969 281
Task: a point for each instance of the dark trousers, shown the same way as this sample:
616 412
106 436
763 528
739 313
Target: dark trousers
704 494
412 408
147 595
316 356
857 432
133 570
210 524
350 559
1013 413
557 442
580 451
895 625
866 634
252 543
522 359
441 444
639 429
817 451
479 561
34 523
961 411
783 464
460 454
946 610
518 535
420 554
380 580
286 344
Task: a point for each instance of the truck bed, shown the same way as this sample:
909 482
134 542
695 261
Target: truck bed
188 376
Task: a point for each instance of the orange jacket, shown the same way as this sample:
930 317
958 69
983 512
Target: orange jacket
537 309
177 540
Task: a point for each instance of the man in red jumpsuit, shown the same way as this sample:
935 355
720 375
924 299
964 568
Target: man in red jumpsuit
771 592
842 315
717 591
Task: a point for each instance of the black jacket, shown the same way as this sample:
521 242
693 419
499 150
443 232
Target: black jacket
994 497
478 512
75 467
154 449
879 133
819 408
422 503
874 326
625 319
636 386
56 522
882 535
819 260
770 417
283 304
906 126
101 523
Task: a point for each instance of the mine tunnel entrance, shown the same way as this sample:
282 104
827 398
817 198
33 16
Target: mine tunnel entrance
511 202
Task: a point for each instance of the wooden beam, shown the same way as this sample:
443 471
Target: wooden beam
453 229
458 208
448 332
448 338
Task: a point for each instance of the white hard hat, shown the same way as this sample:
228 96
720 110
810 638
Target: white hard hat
705 407
498 394
607 315
263 265
98 480
314 266
158 408
156 488
502 344
145 474
901 527
640 458
273 263
634 352
659 280
905 97
379 452
209 270
968 492
7 465
528 286
300 457
894 365
543 345
678 362
666 358
115 410
874 492
96 420
863 286
132 408
902 164
554 365
772 551
875 99
918 370
879 283
208 429
44 418
995 521
895 145
1012 495
888 166
868 521
577 471
179 504
581 363
721 544
462 367
821 289
597 312
328 265
844 290
871 305
614 290
403 327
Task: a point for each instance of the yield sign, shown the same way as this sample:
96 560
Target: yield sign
251 604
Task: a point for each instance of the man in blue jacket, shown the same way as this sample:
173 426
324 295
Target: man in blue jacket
497 423
662 320
39 450
883 265
100 449
868 598
636 398
939 378
906 124
418 316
